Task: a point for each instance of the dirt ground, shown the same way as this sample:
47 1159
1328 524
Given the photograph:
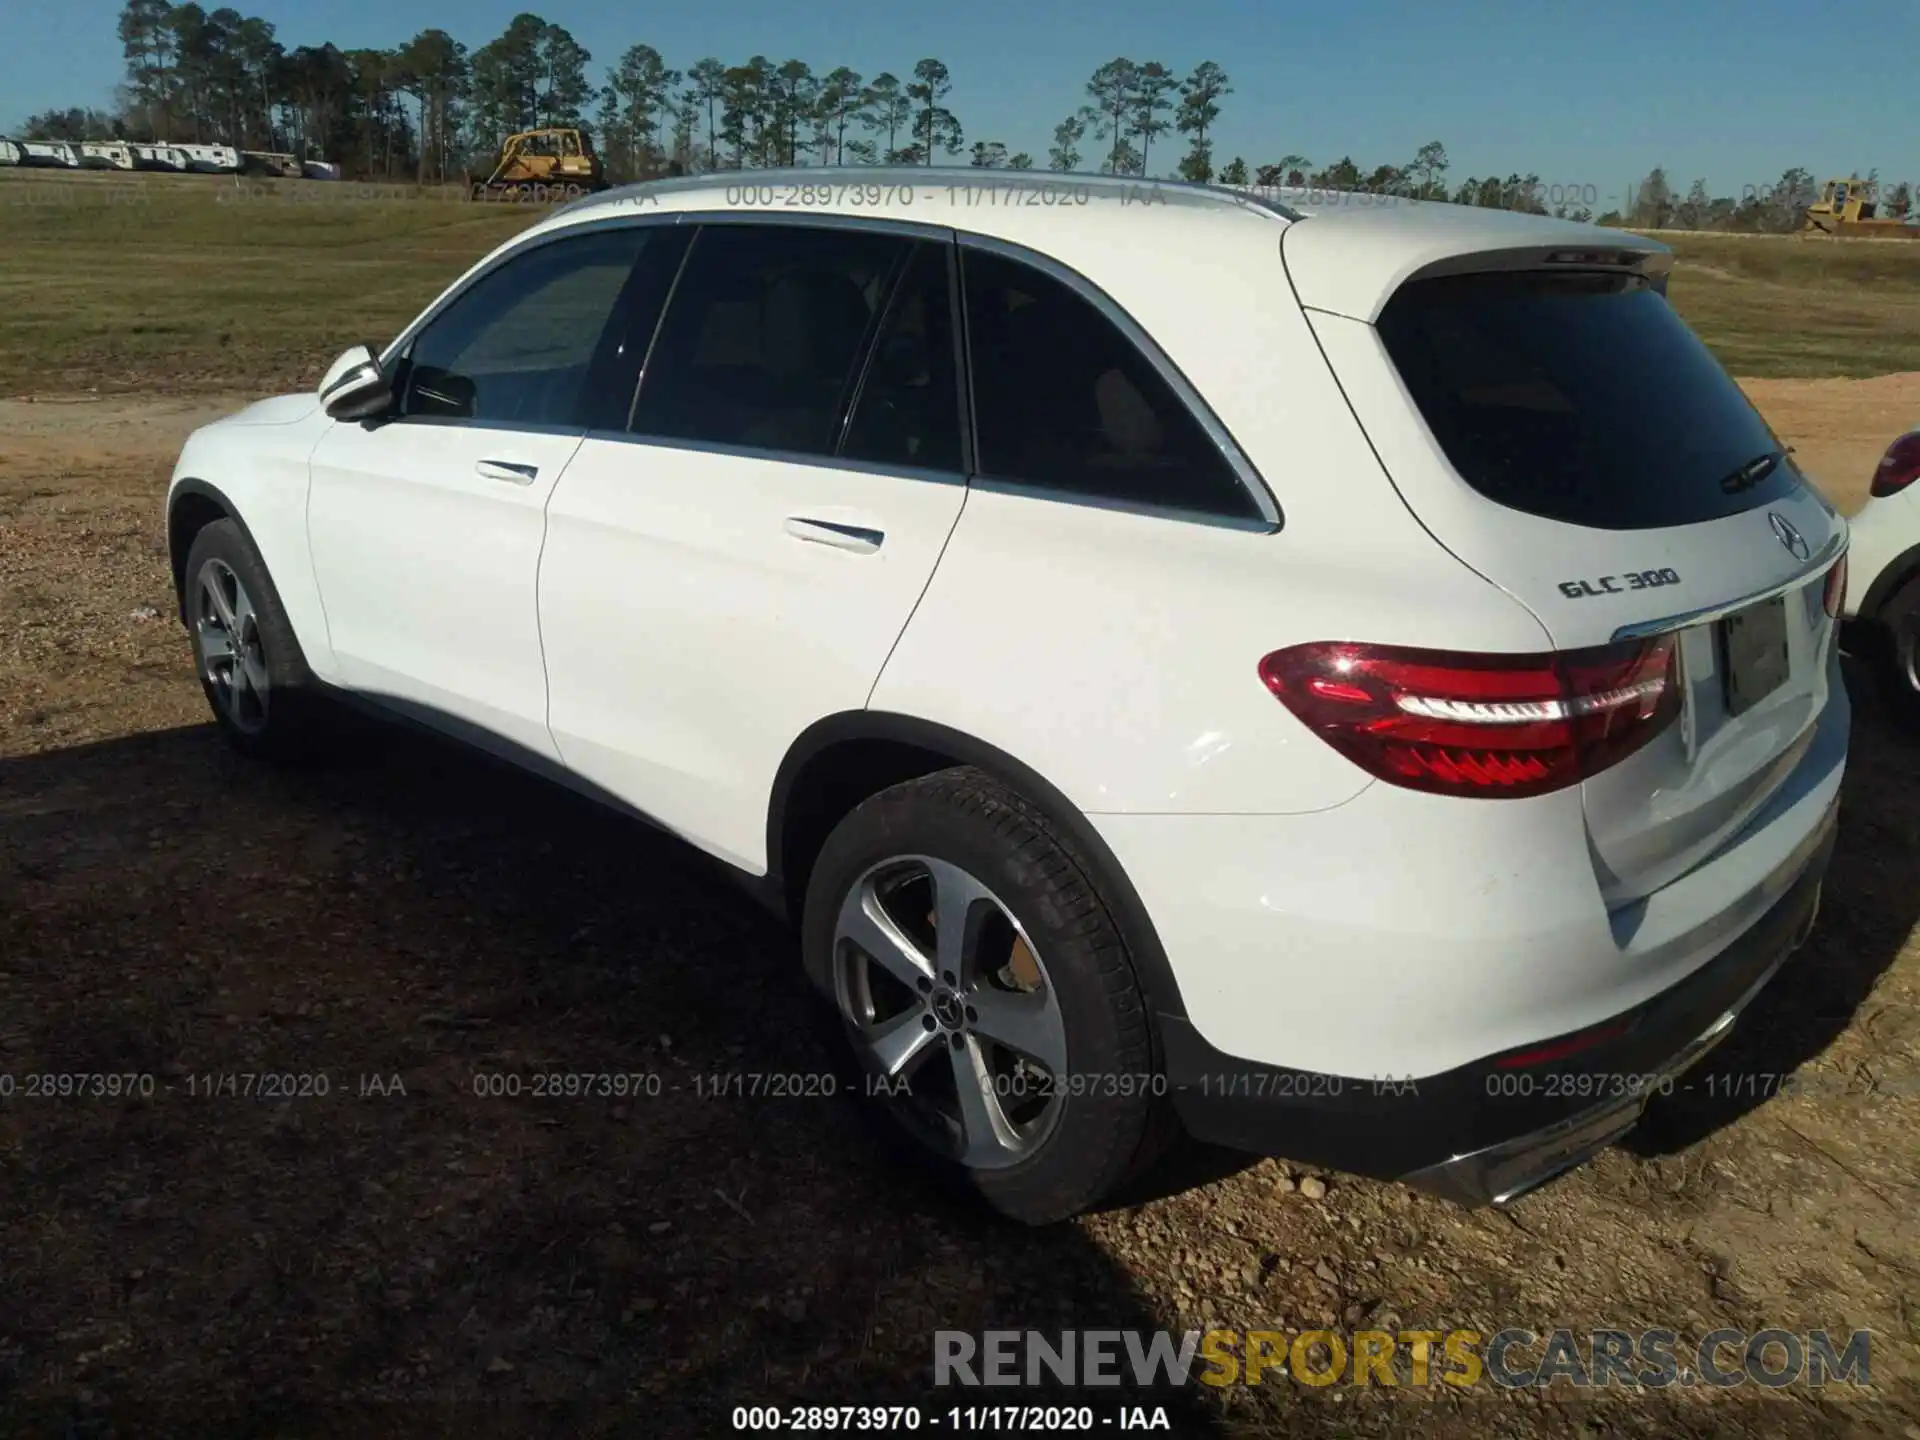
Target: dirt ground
1839 428
402 1255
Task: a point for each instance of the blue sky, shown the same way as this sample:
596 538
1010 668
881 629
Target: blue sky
1588 96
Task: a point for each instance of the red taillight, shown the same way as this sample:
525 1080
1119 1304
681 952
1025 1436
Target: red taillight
1835 595
1559 1049
1898 467
1482 725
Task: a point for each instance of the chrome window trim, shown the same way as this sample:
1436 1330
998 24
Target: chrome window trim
458 422
1271 518
1022 490
781 457
1831 551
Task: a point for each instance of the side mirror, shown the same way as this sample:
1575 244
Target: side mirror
354 388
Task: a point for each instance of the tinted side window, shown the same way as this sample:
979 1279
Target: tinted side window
763 340
516 347
1064 401
908 409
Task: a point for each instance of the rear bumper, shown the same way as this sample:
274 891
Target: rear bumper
1486 1132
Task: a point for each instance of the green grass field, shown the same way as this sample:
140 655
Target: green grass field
194 283
190 283
1781 306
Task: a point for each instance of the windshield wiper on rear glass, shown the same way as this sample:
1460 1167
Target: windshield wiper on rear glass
1746 476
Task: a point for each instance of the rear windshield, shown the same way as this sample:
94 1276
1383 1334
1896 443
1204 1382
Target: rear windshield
1581 398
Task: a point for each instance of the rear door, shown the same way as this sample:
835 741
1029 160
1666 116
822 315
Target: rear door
1564 433
738 562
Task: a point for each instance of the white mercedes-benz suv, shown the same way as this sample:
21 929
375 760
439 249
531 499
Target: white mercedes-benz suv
1355 682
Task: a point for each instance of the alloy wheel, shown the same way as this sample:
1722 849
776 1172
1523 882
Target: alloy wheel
950 1010
226 632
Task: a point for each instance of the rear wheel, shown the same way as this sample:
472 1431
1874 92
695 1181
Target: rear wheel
256 680
981 996
1900 654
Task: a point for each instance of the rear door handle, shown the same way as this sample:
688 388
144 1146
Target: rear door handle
856 538
510 471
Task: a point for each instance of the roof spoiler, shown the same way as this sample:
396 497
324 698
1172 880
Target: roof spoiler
1654 265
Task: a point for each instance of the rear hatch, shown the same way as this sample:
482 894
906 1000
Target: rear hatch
1552 421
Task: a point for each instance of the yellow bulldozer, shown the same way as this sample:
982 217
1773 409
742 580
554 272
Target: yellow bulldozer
1851 207
538 165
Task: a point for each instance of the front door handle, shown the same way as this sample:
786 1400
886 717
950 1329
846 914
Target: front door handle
510 471
856 538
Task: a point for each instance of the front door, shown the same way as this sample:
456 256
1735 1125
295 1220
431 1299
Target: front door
426 526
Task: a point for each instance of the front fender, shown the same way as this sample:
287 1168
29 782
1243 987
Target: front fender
256 474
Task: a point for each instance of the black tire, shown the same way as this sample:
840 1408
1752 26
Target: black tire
1112 1118
1899 655
295 722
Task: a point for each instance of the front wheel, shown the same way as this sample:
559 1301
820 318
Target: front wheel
982 997
256 680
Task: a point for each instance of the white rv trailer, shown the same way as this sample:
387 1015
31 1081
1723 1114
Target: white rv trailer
215 159
158 157
50 153
9 153
106 155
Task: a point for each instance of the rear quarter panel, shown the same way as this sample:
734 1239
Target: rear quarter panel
1116 653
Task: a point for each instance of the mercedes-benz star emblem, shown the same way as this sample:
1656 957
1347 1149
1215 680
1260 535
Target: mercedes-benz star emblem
1795 542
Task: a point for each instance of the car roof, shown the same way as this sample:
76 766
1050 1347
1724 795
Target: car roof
1346 252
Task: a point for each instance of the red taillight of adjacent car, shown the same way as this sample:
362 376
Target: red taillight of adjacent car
1490 726
1560 1049
1899 467
1835 594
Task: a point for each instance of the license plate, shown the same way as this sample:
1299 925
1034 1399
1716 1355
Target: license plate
1753 653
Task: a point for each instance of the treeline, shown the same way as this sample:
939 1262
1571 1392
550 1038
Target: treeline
432 108
1779 206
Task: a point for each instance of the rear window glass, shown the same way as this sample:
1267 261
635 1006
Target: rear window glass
1581 398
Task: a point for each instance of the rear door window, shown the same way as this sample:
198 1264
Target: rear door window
1582 398
908 409
764 337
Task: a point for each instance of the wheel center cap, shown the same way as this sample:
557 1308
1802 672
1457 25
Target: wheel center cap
948 1010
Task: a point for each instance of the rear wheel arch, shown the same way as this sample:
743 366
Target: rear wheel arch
842 760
